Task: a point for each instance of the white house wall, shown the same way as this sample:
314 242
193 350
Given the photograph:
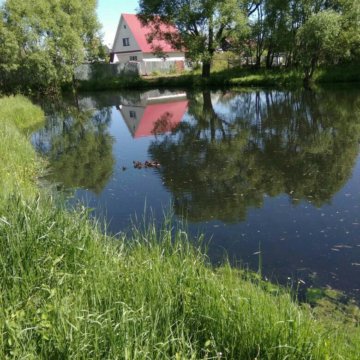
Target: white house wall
173 56
123 31
123 58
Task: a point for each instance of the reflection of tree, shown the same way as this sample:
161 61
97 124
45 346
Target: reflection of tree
163 124
78 148
220 163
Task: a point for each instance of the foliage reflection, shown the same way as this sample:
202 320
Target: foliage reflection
78 147
238 148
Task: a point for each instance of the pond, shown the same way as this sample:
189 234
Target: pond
270 177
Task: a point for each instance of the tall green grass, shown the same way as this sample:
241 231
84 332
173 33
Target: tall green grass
18 163
69 292
20 111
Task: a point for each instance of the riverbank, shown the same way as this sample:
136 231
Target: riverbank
236 77
69 291
18 164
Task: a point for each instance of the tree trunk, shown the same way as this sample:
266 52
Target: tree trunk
258 61
269 59
309 72
206 67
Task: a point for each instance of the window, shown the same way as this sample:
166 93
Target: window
124 26
132 114
126 42
133 58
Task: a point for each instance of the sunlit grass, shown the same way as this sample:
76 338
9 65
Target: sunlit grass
18 165
69 292
19 111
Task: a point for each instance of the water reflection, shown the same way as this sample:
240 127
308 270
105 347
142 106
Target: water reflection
273 168
153 113
220 163
78 147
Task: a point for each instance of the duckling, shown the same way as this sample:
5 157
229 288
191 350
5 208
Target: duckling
138 165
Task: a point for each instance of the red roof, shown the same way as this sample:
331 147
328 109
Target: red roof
141 32
160 118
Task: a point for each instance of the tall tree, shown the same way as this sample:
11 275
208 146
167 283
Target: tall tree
317 40
203 24
48 39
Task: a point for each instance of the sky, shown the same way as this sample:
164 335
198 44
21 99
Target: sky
109 14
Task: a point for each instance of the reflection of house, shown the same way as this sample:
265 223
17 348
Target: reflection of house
154 115
131 45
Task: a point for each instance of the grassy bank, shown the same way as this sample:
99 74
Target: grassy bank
19 166
67 291
220 79
236 77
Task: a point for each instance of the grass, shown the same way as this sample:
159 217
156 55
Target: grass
19 166
69 292
234 77
349 73
19 111
226 78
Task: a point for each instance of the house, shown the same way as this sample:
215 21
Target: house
131 45
154 113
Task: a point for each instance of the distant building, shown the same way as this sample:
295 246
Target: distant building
131 45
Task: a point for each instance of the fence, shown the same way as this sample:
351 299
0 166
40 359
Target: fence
161 67
100 71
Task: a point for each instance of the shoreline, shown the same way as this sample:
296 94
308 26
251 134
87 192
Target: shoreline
232 78
66 287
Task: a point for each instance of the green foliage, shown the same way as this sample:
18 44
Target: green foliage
68 292
46 40
18 166
318 40
203 25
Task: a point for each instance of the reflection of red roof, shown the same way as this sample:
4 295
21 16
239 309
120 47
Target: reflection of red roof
160 118
140 33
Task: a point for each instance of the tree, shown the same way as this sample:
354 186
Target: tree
203 24
8 47
47 39
317 40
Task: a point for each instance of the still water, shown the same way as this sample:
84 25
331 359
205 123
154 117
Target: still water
268 176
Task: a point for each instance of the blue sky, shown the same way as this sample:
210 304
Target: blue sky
109 14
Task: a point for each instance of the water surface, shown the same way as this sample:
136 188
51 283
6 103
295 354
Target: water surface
269 172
